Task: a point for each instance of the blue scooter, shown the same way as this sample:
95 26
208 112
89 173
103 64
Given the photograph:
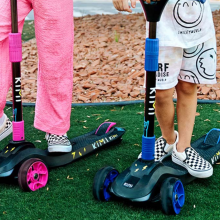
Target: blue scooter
147 180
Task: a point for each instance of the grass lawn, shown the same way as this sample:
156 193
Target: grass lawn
28 31
71 198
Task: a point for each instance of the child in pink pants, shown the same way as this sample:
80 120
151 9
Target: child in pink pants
54 34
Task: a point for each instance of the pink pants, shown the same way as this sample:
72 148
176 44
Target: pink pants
54 34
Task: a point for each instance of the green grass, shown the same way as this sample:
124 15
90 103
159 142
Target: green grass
116 36
72 198
28 31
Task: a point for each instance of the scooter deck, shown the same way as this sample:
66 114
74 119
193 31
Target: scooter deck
13 155
208 147
143 179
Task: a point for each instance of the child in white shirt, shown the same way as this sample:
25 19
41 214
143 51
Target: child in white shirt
187 58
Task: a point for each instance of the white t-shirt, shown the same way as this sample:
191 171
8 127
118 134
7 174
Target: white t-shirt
185 23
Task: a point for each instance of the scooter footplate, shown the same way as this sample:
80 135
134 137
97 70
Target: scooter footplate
207 146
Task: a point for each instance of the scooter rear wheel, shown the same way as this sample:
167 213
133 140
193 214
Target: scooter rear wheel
172 196
102 181
33 175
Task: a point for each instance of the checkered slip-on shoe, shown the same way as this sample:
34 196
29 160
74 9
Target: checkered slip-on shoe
58 143
5 128
193 162
162 148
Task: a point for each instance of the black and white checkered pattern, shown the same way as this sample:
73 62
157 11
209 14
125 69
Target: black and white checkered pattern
54 139
6 129
195 161
8 124
159 148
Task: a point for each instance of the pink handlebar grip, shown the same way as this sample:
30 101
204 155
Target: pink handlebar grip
18 131
15 47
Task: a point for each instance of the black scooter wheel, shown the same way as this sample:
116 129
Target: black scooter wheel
172 196
33 175
102 181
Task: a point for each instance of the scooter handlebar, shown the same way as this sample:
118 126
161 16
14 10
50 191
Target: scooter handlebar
202 1
153 10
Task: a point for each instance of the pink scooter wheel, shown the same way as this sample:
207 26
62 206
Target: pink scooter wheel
33 175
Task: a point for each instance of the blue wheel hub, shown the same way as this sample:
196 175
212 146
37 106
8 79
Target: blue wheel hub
178 197
108 180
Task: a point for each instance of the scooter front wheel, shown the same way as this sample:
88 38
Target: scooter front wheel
102 181
172 196
33 175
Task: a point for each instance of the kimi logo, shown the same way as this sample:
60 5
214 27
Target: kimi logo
152 96
100 142
18 89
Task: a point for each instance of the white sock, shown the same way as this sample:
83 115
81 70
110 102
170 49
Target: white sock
168 147
2 119
181 155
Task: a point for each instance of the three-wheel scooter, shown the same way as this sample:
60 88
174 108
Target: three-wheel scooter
20 159
147 180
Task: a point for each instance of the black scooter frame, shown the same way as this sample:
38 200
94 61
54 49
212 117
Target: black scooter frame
145 179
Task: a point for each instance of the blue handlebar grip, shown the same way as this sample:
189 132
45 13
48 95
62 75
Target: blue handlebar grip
151 54
148 148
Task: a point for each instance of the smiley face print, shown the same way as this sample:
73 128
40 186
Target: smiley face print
188 76
206 64
188 14
193 51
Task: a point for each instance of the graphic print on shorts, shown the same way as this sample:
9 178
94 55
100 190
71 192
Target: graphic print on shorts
183 15
199 63
206 64
163 72
189 76
192 52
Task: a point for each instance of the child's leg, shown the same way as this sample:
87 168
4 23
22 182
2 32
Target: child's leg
24 8
5 72
5 28
54 33
167 79
186 110
165 114
5 82
199 66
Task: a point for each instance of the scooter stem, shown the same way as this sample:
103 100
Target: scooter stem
15 56
152 13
